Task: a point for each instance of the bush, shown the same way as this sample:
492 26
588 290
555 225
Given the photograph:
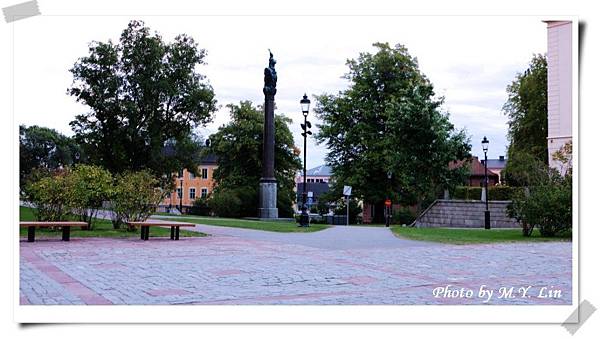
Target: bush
135 197
548 207
88 187
503 192
403 216
50 195
226 203
200 207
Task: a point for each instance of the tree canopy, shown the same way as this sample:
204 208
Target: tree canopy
389 120
238 146
142 93
45 149
527 111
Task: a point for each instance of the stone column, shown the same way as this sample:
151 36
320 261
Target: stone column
268 184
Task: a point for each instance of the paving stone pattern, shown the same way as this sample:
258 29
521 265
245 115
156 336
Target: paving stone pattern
223 269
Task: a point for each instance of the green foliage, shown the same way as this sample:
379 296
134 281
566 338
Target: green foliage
548 206
226 203
43 149
200 207
503 192
143 93
238 146
389 119
322 206
524 169
467 193
403 216
354 211
51 197
135 197
88 187
527 113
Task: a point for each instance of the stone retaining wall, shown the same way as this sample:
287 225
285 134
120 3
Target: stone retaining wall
465 213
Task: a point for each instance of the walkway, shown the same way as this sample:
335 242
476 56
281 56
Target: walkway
341 265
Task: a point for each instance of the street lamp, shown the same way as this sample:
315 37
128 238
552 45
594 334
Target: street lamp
484 144
388 202
181 194
305 105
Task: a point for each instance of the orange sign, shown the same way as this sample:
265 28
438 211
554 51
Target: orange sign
388 202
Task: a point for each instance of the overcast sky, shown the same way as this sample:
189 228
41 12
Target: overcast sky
470 61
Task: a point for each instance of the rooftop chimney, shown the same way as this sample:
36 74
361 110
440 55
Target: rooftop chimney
501 158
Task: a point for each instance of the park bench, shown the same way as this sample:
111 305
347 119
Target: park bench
64 225
145 227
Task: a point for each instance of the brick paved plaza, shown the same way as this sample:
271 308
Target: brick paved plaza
253 267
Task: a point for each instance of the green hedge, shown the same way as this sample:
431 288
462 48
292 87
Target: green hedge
494 192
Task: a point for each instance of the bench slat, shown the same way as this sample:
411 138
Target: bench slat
52 223
159 223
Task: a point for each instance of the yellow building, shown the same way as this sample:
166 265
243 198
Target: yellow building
190 187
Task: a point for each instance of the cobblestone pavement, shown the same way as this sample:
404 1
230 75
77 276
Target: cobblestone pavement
225 269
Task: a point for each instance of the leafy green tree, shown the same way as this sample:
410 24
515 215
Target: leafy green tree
238 146
527 111
142 93
44 149
389 119
89 187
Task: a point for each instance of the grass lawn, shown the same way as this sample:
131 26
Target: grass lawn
102 229
470 236
273 226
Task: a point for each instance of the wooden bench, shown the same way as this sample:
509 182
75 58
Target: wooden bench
145 227
65 225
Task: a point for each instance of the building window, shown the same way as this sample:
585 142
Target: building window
180 174
205 173
192 176
204 193
179 193
192 193
169 195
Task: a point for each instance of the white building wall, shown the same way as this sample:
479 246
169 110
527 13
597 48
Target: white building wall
560 84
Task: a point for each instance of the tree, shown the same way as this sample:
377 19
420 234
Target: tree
238 146
142 93
527 111
45 149
389 119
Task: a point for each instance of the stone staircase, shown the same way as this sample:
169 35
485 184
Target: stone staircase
465 214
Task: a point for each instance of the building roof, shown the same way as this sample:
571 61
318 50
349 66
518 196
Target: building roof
476 168
209 159
319 171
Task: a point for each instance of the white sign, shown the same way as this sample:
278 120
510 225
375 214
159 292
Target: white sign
347 190
309 194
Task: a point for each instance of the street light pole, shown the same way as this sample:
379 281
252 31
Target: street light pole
181 194
485 142
388 208
305 104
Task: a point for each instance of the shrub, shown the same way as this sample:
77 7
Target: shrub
548 206
226 203
88 187
50 195
503 192
135 197
200 207
403 216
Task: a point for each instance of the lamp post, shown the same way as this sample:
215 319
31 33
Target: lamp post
484 144
181 194
305 104
388 205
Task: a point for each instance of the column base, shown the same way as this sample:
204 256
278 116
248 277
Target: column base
268 200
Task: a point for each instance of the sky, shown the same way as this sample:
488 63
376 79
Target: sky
470 61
